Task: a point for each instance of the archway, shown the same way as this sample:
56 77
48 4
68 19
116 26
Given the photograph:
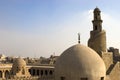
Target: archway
0 74
37 72
7 74
30 71
51 72
33 72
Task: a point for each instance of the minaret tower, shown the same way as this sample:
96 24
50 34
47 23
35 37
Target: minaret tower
97 22
97 39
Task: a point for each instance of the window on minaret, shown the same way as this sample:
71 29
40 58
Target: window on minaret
84 78
62 78
96 17
95 27
102 78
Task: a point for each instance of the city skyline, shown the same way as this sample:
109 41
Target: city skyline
41 28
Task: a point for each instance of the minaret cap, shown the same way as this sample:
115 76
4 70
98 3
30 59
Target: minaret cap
97 9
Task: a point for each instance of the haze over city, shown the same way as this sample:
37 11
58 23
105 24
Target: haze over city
34 28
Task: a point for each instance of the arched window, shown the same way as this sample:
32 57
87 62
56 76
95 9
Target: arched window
33 72
102 78
30 71
46 72
84 78
0 74
62 78
98 14
37 72
23 71
96 17
51 73
95 27
7 74
41 73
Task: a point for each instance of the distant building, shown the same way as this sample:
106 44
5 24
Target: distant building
116 54
2 57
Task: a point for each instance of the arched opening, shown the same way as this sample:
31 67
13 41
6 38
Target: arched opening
33 72
95 27
30 71
62 78
50 73
41 73
0 74
102 78
46 72
23 71
37 72
84 78
96 17
7 74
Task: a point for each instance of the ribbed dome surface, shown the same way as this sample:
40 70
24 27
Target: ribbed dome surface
19 62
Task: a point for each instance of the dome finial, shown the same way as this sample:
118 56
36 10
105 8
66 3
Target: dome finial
78 38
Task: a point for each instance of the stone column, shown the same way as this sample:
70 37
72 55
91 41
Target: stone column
3 74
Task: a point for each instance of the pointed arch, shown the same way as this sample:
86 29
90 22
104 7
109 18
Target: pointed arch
1 74
7 73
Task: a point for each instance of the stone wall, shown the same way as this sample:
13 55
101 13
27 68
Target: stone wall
115 72
97 41
107 58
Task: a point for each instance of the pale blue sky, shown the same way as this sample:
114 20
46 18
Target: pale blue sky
37 28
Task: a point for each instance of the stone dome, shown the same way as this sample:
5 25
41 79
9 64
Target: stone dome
19 62
79 63
18 65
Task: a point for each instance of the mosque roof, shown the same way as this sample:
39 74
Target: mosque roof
80 60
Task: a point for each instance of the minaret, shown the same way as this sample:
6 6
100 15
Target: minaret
97 22
97 39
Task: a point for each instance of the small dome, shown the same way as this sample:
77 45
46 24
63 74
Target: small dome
19 62
18 65
19 68
79 62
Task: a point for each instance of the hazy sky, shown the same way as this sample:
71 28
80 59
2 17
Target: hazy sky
37 28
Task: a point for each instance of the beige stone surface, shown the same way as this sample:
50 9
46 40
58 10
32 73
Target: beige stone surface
19 68
107 58
79 62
